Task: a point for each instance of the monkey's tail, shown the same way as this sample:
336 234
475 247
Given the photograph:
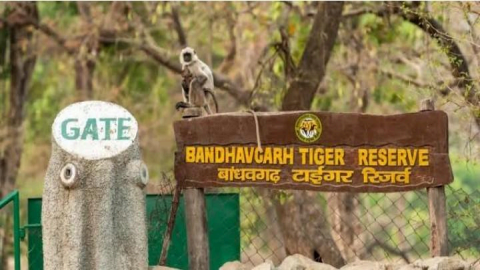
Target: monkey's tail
210 92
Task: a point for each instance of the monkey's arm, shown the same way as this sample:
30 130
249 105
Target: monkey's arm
185 90
202 78
187 78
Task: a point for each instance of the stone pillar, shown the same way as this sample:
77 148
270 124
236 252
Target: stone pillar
93 212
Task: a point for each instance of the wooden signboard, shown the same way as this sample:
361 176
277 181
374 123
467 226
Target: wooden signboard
315 151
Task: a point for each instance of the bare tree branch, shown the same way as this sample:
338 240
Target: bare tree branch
84 10
406 79
42 27
221 81
458 62
159 55
440 86
229 60
85 58
84 62
177 24
389 249
362 11
283 48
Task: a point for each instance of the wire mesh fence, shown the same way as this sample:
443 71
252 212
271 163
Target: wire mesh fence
464 222
391 227
254 225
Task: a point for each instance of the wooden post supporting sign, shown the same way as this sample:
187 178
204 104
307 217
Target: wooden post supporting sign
196 219
437 208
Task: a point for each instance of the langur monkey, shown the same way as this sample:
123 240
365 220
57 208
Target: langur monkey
197 82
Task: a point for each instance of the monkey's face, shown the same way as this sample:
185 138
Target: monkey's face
188 56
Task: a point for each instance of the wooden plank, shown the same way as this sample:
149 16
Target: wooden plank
349 133
338 129
437 208
197 237
438 221
196 218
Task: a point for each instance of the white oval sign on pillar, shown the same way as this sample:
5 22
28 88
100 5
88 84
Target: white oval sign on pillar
94 129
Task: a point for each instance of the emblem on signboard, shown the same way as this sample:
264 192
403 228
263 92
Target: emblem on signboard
308 128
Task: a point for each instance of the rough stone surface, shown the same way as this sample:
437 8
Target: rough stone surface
442 263
235 265
364 265
268 265
406 267
395 266
300 262
99 222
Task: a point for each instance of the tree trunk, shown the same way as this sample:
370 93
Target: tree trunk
84 77
86 55
345 223
312 67
303 221
305 228
22 61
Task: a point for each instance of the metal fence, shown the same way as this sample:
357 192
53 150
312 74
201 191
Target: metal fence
392 227
377 226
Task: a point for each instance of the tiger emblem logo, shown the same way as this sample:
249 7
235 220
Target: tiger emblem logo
308 128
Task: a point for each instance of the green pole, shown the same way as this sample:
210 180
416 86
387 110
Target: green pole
16 229
15 197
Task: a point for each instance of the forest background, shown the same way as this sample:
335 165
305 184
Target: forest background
368 57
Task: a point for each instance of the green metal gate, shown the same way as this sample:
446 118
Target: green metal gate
223 216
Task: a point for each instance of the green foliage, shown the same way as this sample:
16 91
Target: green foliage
63 13
366 47
50 91
466 174
463 220
323 103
